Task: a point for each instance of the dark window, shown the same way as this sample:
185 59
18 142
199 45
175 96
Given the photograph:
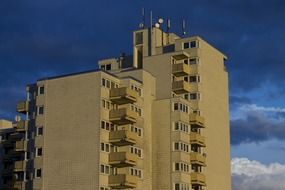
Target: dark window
41 110
193 78
176 166
193 61
108 67
176 106
103 67
186 45
139 38
42 90
38 173
40 131
185 61
193 44
40 152
193 96
176 186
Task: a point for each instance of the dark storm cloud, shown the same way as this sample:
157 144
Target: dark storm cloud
256 128
40 38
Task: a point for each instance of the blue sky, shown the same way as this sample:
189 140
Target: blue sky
46 38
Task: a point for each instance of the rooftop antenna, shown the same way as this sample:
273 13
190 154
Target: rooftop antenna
168 29
183 27
142 24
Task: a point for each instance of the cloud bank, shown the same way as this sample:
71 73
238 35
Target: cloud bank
253 175
253 123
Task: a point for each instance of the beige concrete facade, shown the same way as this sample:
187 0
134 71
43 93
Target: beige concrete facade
154 120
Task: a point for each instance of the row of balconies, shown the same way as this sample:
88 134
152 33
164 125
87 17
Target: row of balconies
124 181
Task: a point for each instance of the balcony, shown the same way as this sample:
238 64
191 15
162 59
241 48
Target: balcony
19 185
181 87
180 69
197 158
122 181
198 179
123 138
7 172
7 144
123 95
122 159
196 138
20 166
22 107
123 116
21 145
22 126
16 136
196 120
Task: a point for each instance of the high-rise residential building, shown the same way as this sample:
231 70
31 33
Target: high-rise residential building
154 120
6 165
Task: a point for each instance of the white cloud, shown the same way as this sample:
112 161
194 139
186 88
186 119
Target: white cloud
254 107
253 175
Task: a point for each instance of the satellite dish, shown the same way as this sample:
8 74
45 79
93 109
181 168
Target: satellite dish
141 25
160 20
17 118
157 25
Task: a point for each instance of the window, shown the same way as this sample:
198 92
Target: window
194 96
102 67
193 61
103 82
181 107
136 130
183 127
186 45
137 151
40 110
27 155
105 147
136 172
108 67
104 169
193 44
38 173
180 166
39 131
39 151
194 78
139 38
41 90
180 146
182 186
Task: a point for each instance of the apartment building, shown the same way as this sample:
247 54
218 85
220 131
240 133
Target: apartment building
157 119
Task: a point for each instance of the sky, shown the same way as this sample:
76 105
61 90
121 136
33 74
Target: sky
48 38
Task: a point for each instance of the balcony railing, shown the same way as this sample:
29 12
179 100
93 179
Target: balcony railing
16 136
196 138
122 159
122 181
19 185
197 120
22 125
21 145
22 107
197 158
181 87
123 138
123 116
180 69
20 166
198 179
123 95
